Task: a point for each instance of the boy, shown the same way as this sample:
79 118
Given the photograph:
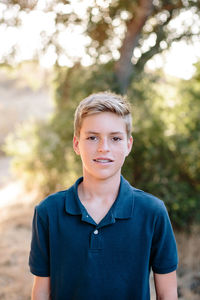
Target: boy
99 239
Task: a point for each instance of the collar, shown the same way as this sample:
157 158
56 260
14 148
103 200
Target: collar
72 202
121 209
124 204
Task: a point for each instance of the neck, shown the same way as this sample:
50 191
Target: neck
92 188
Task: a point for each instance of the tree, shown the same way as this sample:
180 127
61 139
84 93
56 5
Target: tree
129 31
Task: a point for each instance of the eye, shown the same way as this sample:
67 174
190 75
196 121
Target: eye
92 138
116 139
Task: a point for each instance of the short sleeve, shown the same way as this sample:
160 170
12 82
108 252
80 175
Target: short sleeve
39 253
164 257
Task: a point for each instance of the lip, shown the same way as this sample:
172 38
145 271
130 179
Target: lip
103 160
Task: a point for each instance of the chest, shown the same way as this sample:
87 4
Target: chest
97 210
99 266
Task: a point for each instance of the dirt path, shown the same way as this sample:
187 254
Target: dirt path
15 232
18 103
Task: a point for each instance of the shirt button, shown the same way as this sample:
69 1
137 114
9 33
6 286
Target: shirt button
96 231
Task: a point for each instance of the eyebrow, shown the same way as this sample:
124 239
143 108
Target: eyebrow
112 133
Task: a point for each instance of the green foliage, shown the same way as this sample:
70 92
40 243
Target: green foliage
39 157
165 156
43 153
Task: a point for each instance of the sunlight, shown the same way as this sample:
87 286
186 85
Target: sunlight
9 193
28 43
180 59
27 40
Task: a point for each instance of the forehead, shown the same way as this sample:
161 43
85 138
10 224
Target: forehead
103 122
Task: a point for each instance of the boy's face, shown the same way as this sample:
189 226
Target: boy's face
102 145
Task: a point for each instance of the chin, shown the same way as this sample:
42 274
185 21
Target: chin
106 176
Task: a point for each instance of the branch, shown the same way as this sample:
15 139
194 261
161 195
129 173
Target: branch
161 35
170 7
157 49
123 67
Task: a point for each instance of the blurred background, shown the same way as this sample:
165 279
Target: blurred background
55 53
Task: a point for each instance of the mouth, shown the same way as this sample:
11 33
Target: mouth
103 160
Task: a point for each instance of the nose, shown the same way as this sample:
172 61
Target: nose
103 145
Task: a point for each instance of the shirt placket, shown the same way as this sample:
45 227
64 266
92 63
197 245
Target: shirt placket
96 239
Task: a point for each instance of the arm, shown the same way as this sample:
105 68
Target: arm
166 286
41 288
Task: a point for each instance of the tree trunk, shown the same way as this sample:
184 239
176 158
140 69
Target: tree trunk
124 67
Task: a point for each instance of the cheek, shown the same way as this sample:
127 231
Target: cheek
86 152
121 152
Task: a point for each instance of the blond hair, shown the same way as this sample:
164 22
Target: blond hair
103 102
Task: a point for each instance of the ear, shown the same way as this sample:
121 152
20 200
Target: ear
129 145
76 145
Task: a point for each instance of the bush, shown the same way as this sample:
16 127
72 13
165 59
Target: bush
163 161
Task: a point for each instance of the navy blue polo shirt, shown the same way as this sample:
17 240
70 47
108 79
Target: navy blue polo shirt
105 261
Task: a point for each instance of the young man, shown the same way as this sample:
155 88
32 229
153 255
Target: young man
99 239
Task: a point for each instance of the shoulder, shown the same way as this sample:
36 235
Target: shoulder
150 207
144 204
147 199
142 200
51 201
48 207
153 212
55 205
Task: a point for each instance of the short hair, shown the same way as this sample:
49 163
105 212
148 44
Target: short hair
103 102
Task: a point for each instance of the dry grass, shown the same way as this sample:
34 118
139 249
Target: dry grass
15 232
19 101
189 266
